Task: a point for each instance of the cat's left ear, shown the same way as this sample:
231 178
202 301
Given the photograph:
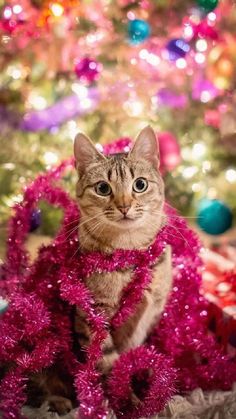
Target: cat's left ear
85 153
146 147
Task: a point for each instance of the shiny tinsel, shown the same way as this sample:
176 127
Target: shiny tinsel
36 330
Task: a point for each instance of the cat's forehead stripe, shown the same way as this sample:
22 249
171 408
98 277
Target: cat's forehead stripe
109 173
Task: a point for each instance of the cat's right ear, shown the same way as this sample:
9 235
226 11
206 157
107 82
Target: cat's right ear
85 153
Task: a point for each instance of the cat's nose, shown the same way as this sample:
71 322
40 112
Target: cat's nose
124 209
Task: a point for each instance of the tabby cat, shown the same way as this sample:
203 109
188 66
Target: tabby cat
121 200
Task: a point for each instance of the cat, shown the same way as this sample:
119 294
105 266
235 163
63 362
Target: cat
121 199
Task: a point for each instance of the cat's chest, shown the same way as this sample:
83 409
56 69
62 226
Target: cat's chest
107 288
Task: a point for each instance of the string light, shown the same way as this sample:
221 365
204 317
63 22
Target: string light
206 166
7 13
86 103
181 63
17 9
14 72
72 129
189 172
143 54
201 45
200 58
57 9
197 187
199 149
205 96
99 147
211 16
50 158
230 175
188 32
133 107
9 166
80 90
38 102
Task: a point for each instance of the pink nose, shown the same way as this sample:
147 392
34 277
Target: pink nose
124 209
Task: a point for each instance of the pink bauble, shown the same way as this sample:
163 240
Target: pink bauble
212 117
88 69
169 151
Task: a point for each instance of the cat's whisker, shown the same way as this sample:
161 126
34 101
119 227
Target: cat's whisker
182 236
92 231
176 229
162 214
76 227
165 216
75 220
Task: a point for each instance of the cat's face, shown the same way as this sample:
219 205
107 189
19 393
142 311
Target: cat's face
121 193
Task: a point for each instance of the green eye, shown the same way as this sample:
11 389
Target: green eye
103 188
140 185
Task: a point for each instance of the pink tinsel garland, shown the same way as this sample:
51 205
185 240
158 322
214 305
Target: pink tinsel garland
36 330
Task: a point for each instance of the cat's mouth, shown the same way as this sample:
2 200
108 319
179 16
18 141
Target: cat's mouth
126 220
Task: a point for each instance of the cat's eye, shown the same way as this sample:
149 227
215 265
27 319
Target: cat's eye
103 188
140 185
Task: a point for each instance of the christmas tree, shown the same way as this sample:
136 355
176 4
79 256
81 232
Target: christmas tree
108 68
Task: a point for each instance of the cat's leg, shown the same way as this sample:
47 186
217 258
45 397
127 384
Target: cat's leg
53 386
59 404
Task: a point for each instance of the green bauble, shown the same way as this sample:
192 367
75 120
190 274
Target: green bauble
213 216
207 5
3 305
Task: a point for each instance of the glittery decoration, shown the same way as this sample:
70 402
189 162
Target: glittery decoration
36 329
160 380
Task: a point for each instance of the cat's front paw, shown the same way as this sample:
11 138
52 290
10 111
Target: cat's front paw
60 405
105 364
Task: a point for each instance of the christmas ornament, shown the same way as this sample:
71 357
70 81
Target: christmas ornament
204 30
169 151
207 5
167 97
177 48
213 216
212 117
61 111
221 64
35 219
3 305
227 123
204 90
35 331
10 21
138 31
88 69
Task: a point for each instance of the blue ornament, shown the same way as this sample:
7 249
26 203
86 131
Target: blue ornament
35 219
177 48
138 31
213 216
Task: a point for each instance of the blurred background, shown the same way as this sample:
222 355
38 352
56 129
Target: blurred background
109 68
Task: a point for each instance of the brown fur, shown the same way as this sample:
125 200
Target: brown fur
124 219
